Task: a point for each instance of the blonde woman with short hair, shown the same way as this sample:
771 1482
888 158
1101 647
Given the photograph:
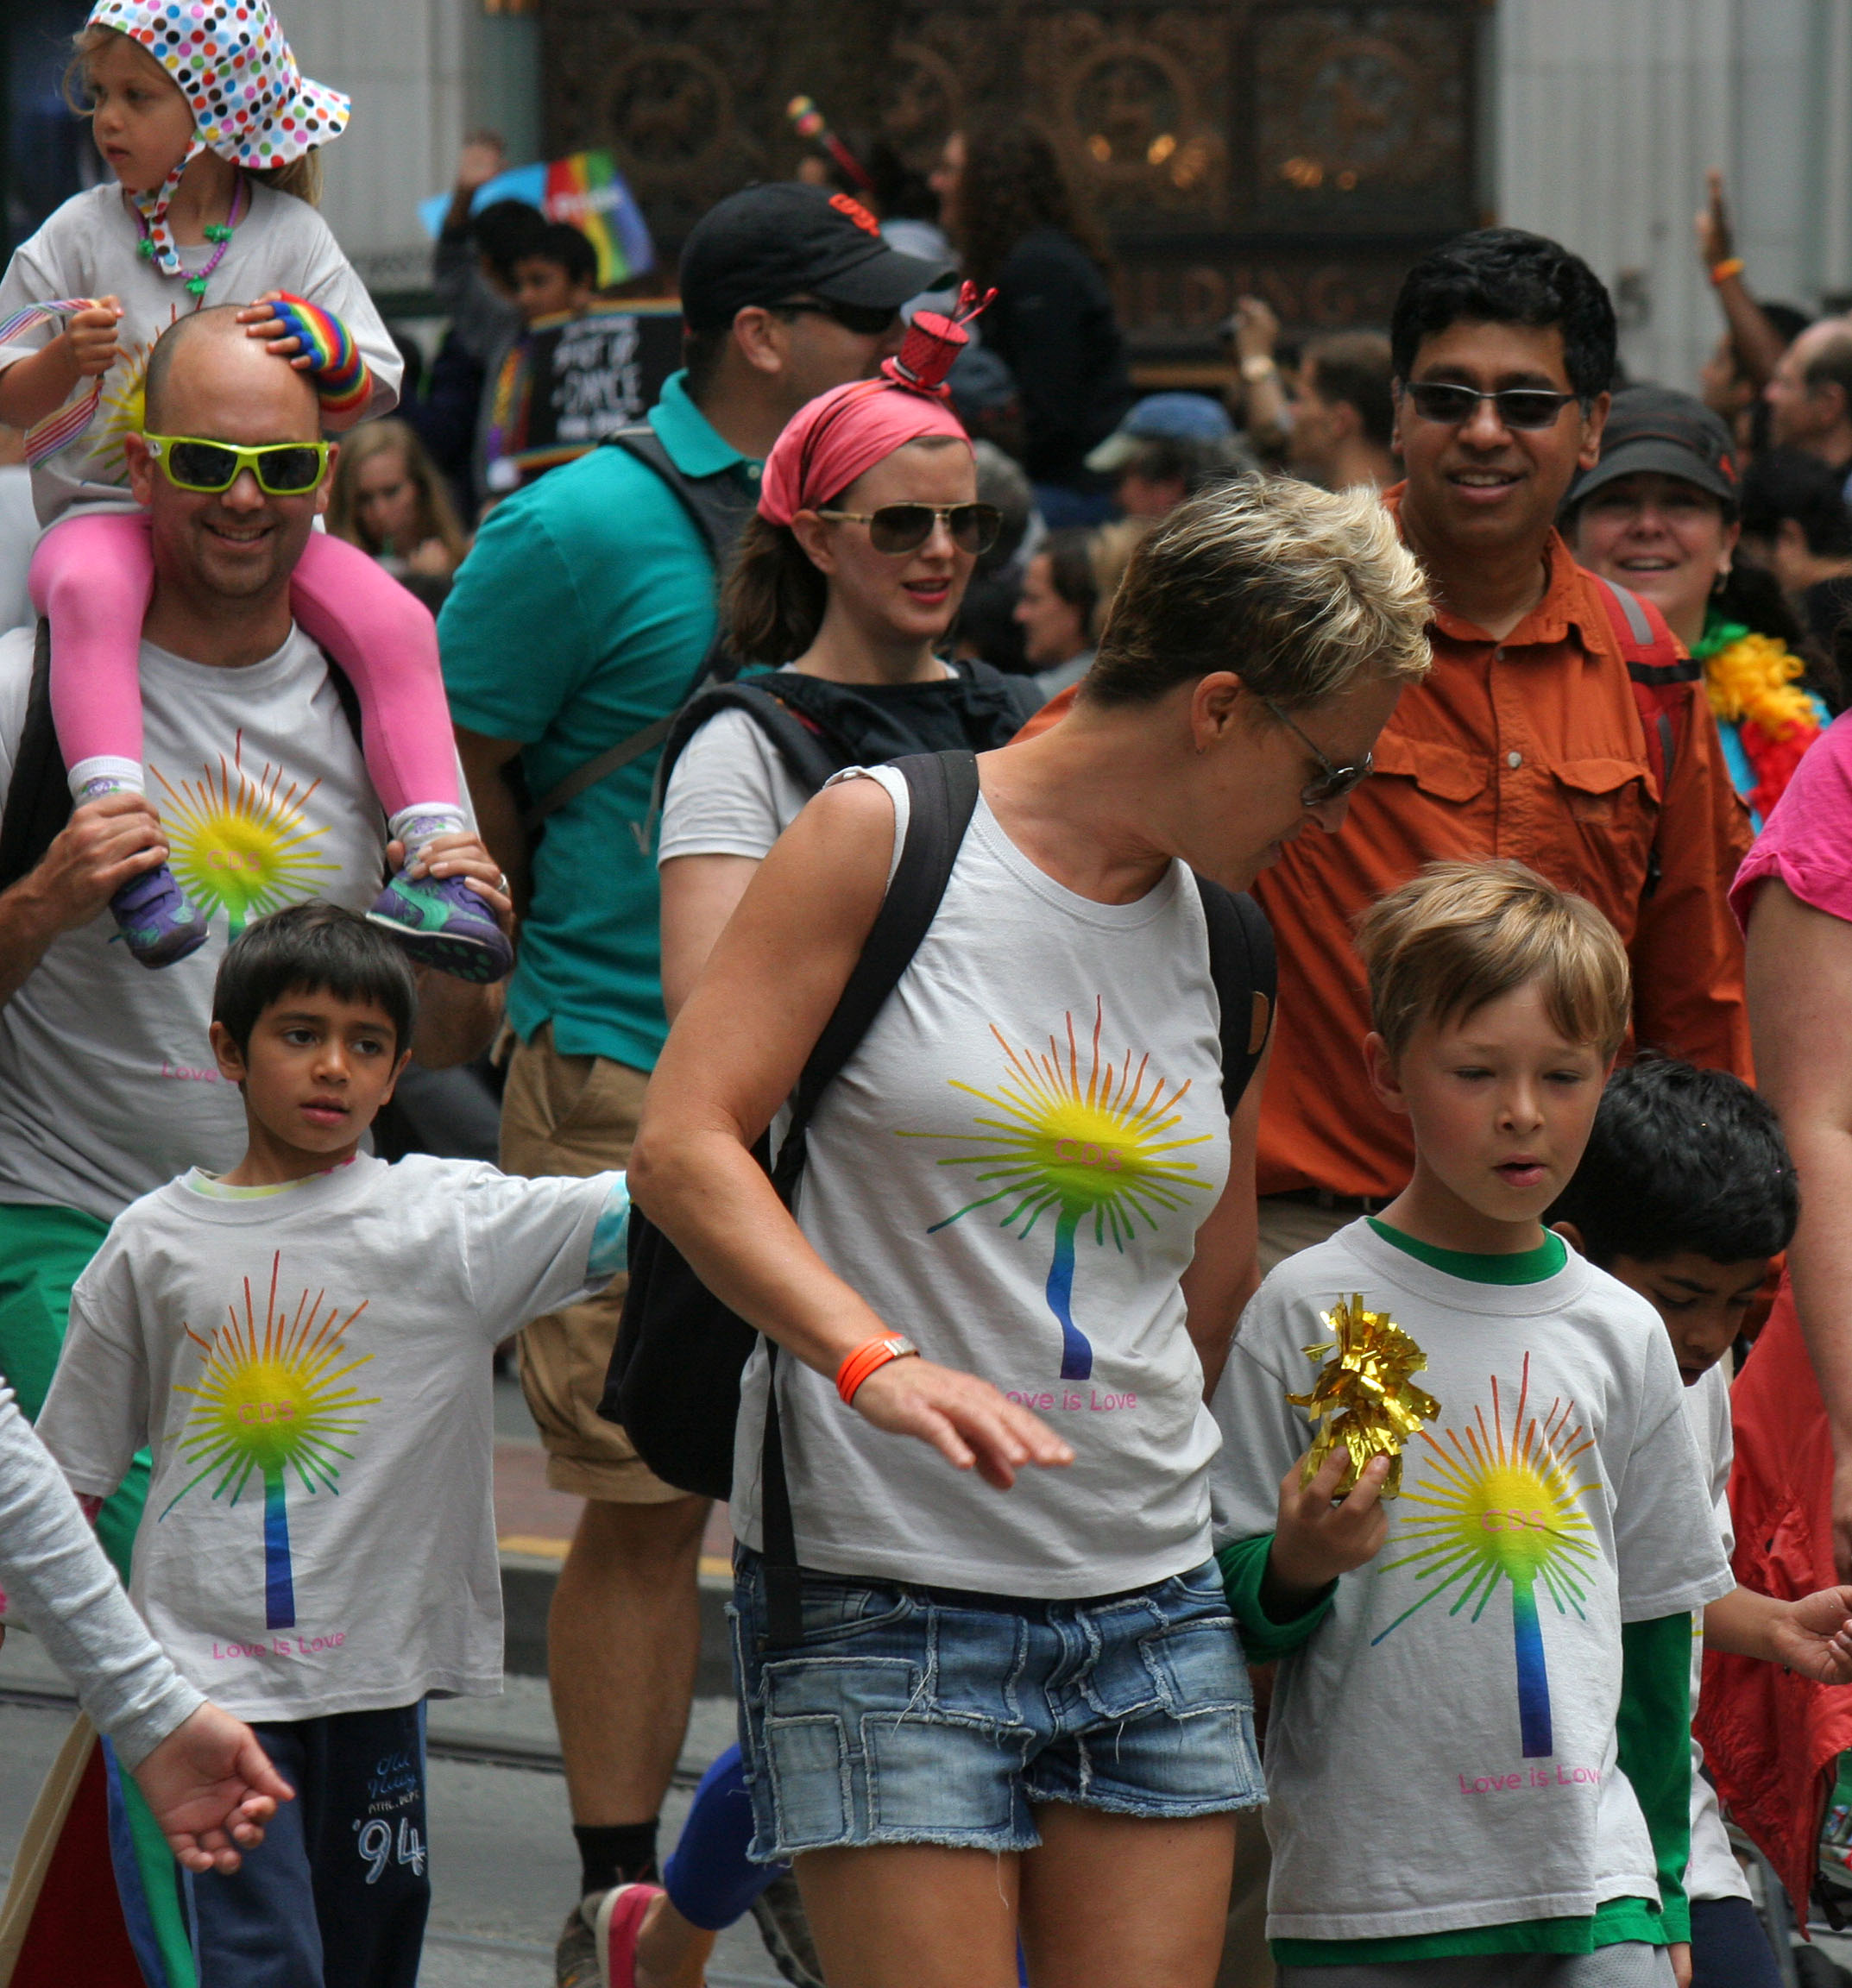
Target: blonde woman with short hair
1019 1704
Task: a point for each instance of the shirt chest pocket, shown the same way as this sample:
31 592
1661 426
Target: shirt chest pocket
1606 793
1610 815
1449 773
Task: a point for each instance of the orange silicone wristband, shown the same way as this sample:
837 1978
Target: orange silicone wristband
870 1355
1731 266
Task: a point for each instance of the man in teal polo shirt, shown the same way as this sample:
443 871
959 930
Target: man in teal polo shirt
581 617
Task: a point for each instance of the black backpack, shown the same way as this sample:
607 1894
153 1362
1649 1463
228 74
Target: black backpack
818 727
674 1378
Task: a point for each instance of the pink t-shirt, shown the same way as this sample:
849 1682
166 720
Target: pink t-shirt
1807 840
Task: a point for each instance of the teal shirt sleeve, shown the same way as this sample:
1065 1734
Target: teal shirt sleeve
1655 1733
610 1247
1244 1565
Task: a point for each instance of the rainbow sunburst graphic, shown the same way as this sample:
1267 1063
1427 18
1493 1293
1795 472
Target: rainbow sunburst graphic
274 1397
121 412
1080 1139
242 845
1505 1507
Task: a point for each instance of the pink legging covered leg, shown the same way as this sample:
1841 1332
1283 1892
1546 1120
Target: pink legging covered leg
92 577
386 643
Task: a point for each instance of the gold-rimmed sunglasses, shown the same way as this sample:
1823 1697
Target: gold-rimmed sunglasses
897 528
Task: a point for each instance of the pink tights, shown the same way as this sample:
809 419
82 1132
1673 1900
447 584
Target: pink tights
92 577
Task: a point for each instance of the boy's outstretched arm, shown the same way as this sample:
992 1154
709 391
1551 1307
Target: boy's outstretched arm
1812 1635
1654 1730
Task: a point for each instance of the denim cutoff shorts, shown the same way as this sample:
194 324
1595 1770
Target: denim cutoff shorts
928 1715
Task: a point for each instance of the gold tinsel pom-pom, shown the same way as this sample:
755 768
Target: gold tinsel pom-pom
1365 1397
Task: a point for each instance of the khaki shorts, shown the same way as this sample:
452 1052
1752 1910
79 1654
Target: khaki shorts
1288 1226
575 1115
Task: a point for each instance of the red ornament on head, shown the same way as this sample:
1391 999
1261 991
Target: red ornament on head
933 344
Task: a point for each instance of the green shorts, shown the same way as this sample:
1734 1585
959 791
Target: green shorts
43 1252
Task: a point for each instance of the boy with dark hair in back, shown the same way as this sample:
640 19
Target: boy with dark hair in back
304 1342
1686 1193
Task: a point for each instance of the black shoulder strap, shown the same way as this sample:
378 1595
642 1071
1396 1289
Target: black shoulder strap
717 505
809 755
38 798
942 792
1242 963
718 508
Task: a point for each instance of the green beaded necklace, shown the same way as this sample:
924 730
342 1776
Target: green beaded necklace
220 236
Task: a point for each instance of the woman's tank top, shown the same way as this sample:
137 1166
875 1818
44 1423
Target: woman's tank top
1011 1169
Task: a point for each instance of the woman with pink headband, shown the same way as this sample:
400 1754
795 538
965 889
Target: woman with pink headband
847 584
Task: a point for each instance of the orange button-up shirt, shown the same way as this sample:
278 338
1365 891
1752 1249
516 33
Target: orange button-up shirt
1531 747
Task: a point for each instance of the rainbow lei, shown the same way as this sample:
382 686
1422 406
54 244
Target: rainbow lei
1365 1394
342 381
1752 682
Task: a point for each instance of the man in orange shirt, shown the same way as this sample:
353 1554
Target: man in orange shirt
1525 741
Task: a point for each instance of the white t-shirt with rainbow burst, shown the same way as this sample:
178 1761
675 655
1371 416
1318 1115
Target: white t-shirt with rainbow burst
310 1368
107 1082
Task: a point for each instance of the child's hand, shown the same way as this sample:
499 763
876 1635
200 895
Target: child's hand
261 322
1315 1541
1679 1953
90 336
1814 1636
482 158
211 1787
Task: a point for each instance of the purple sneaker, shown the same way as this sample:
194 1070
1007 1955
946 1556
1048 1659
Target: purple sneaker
157 922
442 922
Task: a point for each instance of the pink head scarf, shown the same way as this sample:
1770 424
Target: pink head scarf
831 440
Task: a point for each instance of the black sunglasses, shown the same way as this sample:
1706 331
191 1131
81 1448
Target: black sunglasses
866 320
1518 406
1333 782
897 528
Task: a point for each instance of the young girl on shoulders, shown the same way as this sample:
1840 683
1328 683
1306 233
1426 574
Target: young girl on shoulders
212 133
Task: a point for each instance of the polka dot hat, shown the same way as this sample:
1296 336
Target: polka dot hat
250 103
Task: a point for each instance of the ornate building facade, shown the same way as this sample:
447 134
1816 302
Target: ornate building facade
1305 152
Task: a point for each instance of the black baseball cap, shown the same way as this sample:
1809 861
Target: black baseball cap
1658 428
784 240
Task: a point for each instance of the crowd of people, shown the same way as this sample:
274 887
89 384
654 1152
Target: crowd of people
988 918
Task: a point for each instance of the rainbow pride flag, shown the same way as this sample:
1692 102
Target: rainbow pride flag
585 188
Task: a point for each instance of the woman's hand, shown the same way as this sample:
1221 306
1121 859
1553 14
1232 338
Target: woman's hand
1315 1541
1714 243
211 1789
967 1420
431 559
90 338
1813 1636
1256 328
